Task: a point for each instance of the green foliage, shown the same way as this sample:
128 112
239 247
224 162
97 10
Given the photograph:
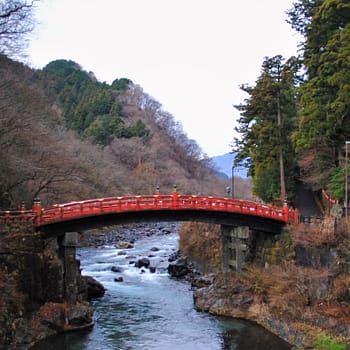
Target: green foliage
266 181
324 113
99 131
287 236
89 107
105 127
139 129
121 84
336 185
301 14
268 118
326 343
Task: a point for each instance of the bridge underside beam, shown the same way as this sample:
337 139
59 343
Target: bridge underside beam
98 221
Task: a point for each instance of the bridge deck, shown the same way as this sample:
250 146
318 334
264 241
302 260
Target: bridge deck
44 216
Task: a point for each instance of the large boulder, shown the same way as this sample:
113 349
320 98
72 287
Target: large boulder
143 262
124 245
94 288
116 269
179 268
176 255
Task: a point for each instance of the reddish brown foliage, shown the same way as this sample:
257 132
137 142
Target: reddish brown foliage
202 242
315 235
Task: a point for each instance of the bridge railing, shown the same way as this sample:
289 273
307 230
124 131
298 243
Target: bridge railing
104 206
233 205
13 216
77 209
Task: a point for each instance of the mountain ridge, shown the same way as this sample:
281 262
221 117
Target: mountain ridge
224 163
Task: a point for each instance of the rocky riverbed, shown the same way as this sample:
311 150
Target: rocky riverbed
33 305
124 234
291 305
208 294
299 291
288 302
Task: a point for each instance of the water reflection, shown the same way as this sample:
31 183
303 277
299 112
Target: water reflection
244 335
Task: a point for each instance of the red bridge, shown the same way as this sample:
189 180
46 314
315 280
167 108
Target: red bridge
175 207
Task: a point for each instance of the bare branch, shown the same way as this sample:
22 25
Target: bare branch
16 22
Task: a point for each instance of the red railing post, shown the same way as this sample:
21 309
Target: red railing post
23 210
285 210
296 216
175 198
36 207
119 207
7 216
156 197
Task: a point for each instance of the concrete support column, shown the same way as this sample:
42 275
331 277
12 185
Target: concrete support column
235 240
71 266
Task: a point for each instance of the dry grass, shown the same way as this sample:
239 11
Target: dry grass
341 288
312 300
202 242
316 235
287 290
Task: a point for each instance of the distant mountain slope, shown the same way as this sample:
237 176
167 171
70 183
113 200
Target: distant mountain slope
64 136
224 162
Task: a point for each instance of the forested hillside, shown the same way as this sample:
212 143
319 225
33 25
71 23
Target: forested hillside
66 136
295 121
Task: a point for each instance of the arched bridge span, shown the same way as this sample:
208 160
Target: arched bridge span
244 224
92 213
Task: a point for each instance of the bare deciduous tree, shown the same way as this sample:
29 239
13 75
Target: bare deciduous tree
16 22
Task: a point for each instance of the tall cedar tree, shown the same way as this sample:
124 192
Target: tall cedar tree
268 118
324 115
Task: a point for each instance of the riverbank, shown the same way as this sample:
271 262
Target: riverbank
145 308
33 303
300 292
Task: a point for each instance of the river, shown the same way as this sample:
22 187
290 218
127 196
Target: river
152 311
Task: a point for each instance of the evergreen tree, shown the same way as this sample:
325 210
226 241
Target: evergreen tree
324 115
121 84
268 117
89 107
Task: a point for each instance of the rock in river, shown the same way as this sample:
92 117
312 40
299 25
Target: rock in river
144 262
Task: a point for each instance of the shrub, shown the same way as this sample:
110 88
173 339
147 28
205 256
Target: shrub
316 236
326 343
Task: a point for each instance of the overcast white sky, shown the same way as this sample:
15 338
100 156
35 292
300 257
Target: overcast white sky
190 55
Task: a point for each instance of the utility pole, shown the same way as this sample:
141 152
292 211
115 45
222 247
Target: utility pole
233 180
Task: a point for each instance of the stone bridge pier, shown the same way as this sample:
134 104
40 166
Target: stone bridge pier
71 266
43 292
236 241
242 244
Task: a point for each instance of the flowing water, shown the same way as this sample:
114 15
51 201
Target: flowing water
152 311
